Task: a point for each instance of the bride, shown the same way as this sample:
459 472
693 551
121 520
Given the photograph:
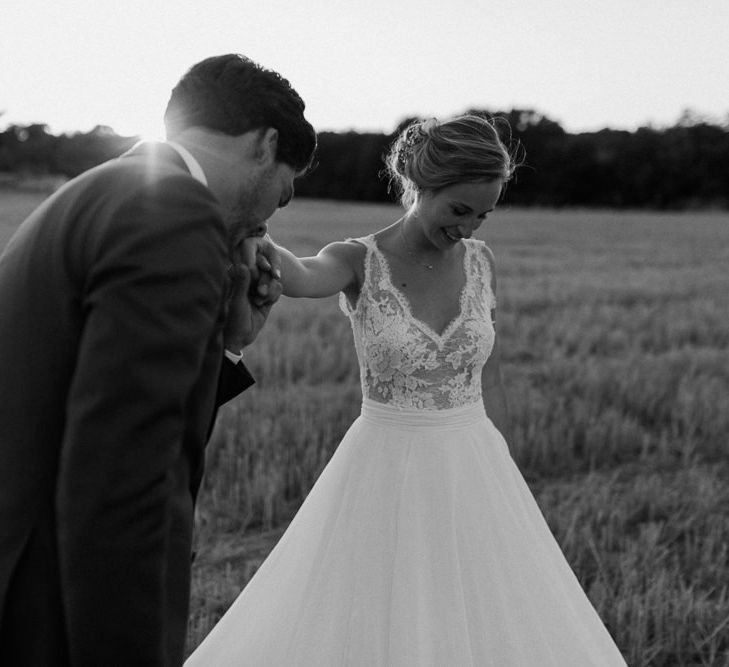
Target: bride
420 544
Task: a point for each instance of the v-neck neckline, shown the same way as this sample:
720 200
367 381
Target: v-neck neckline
407 306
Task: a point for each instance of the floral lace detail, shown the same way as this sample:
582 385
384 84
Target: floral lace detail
402 361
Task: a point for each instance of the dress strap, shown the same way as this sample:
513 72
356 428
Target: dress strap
480 267
369 243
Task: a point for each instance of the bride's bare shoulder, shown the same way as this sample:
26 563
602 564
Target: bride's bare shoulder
350 253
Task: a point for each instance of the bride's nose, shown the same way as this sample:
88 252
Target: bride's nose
472 227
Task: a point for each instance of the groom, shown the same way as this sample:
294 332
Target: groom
114 303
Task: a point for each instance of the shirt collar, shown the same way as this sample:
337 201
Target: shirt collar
196 171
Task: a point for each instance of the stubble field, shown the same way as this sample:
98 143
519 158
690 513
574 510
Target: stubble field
614 330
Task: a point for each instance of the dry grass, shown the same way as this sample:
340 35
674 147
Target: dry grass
614 336
15 205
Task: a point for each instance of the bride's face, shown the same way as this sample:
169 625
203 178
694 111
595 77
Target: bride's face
456 212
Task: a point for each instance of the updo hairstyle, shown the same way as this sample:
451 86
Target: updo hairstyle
429 155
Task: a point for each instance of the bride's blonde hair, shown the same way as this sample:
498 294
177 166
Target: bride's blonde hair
432 154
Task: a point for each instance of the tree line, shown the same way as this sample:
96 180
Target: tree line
682 166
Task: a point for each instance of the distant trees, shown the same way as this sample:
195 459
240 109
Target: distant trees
347 167
32 149
679 167
683 166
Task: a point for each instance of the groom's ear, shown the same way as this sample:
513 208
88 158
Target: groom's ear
266 146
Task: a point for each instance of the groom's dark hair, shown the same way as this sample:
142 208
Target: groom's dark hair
234 95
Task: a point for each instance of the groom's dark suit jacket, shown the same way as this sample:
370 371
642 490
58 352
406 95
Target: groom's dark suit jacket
112 299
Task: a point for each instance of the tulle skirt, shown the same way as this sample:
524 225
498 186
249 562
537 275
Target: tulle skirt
420 544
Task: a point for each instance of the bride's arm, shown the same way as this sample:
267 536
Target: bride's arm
330 271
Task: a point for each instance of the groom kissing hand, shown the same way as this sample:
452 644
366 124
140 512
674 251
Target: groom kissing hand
121 333
255 273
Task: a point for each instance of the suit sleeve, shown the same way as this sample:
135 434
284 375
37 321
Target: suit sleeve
154 287
234 378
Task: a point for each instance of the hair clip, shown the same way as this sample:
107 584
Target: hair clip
412 137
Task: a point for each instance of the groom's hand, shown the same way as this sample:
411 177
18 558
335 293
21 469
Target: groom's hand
255 287
262 256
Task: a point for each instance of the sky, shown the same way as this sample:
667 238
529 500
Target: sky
365 65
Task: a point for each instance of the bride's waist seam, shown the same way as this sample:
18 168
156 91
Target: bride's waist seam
428 419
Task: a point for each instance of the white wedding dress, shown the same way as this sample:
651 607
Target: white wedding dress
420 544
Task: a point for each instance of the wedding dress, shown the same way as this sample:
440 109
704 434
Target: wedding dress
420 544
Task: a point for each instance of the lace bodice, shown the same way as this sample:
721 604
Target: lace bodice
403 362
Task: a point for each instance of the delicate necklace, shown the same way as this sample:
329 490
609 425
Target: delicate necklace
411 252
